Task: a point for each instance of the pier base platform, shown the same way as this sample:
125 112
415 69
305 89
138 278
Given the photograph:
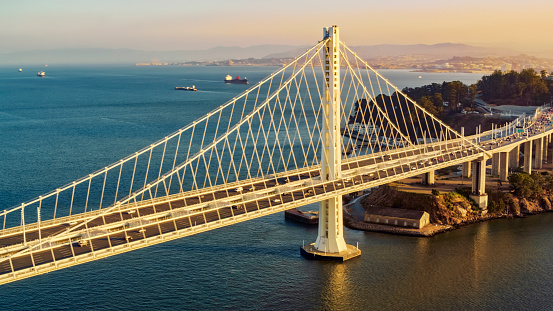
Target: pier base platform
481 201
310 252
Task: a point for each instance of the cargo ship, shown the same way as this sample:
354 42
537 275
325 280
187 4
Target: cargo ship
308 218
236 80
186 88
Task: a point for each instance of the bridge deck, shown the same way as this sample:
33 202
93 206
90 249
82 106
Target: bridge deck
28 251
143 224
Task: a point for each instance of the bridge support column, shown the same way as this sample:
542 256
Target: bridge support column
545 145
467 169
528 157
496 162
330 243
514 157
538 157
429 178
503 166
479 185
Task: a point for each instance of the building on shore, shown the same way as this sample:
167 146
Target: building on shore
397 217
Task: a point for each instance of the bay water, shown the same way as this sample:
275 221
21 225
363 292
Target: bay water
78 119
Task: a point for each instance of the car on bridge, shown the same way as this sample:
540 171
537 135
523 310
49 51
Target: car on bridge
280 181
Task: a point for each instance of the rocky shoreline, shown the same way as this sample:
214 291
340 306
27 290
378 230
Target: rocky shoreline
447 210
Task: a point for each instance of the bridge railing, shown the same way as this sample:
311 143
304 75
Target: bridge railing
523 122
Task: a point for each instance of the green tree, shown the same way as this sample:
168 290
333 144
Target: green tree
521 184
521 87
528 186
528 86
438 101
492 86
473 90
548 184
428 105
455 91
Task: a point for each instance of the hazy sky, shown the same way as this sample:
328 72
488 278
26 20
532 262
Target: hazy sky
182 24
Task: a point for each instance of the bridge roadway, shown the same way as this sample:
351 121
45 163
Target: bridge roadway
23 253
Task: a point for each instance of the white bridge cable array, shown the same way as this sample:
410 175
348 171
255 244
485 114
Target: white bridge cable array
272 128
193 157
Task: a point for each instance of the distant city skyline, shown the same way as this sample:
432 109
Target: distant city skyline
168 25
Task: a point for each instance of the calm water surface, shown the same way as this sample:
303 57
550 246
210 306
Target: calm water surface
79 119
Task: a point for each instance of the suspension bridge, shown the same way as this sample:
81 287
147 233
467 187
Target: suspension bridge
324 125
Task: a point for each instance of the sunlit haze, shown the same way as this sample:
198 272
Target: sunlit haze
165 25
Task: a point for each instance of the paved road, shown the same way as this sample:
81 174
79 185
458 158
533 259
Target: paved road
165 223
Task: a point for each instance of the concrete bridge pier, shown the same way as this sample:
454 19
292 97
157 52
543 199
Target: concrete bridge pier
514 157
496 162
479 185
331 226
429 178
503 166
538 157
545 146
528 157
467 169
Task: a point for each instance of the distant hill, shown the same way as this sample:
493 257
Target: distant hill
445 50
129 56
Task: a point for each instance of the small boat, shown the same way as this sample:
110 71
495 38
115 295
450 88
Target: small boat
420 77
186 88
41 74
236 80
20 70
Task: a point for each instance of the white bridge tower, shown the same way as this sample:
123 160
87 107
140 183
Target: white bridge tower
330 243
